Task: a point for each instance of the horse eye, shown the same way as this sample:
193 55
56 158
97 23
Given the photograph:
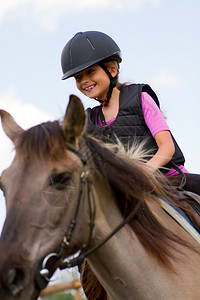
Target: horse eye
60 180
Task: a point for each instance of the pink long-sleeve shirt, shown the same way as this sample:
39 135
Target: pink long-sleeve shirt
154 120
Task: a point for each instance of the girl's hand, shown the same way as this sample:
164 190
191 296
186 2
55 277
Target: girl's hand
165 151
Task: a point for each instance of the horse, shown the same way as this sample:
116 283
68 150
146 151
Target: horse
73 200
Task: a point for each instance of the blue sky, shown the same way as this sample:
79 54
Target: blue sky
160 46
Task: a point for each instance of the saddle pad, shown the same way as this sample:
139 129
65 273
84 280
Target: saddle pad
181 218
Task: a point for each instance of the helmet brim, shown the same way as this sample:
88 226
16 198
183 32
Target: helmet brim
116 56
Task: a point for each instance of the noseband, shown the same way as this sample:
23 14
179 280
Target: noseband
44 272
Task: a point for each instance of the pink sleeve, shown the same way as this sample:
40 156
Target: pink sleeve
152 115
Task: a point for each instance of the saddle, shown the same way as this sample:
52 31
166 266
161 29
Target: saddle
191 207
190 202
186 212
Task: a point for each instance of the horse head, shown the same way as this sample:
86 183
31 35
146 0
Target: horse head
39 187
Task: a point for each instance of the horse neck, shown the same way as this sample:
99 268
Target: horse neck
123 266
111 258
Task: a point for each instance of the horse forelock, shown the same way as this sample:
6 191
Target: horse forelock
42 142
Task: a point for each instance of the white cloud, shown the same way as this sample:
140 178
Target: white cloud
166 79
25 114
46 13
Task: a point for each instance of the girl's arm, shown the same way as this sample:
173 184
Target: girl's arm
165 151
160 131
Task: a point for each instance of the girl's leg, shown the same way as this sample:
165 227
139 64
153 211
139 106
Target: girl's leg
192 182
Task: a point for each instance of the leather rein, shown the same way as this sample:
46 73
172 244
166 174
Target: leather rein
47 265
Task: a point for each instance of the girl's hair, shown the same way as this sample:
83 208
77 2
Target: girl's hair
119 85
114 63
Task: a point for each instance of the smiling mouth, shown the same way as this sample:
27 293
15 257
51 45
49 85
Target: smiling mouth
89 88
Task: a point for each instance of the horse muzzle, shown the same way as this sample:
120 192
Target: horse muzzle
16 276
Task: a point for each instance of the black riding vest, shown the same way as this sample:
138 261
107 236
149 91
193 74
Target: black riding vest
129 125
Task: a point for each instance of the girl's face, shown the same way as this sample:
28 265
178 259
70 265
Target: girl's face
93 82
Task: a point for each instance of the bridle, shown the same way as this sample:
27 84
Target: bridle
43 270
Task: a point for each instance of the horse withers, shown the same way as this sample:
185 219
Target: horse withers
67 192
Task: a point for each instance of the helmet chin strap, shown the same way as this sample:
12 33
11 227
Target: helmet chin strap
111 87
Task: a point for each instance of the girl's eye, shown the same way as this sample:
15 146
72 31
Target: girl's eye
60 181
77 77
90 71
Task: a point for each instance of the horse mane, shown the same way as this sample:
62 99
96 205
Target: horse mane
43 141
132 183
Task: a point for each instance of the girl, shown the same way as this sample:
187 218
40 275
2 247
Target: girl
129 112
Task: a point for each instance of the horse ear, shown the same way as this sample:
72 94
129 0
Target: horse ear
74 121
10 127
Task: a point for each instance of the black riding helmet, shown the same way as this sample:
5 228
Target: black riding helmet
86 49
